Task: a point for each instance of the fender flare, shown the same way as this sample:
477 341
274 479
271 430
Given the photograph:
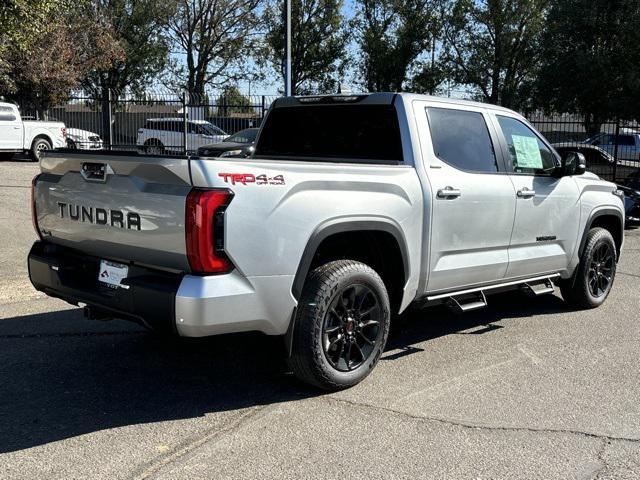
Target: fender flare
342 225
43 136
601 212
324 231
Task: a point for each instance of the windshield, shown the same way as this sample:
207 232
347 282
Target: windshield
633 181
244 136
210 129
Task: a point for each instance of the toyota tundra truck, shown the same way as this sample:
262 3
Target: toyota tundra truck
351 209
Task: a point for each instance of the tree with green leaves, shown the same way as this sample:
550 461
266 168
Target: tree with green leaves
318 44
392 35
20 27
215 37
493 46
591 61
45 65
139 26
231 101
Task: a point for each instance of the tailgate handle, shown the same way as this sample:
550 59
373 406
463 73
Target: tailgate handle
95 172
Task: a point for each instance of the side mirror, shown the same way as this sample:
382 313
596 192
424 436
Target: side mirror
573 163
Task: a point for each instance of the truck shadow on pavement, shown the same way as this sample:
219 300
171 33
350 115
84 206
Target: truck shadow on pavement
63 376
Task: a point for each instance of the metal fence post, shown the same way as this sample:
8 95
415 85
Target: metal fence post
262 117
107 118
615 150
110 120
185 121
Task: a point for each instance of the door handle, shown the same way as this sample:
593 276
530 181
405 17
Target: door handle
17 127
449 192
526 193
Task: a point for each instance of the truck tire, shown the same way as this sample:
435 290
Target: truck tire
341 326
592 281
38 146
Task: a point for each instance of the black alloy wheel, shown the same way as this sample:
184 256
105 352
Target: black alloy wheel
592 280
352 327
600 272
341 325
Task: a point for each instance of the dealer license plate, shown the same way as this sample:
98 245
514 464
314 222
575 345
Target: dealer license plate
112 273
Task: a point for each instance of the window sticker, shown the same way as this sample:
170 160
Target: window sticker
527 152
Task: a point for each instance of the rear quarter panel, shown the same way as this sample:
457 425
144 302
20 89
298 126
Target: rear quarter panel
52 130
268 225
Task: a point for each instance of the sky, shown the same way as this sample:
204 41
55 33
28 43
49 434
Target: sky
274 84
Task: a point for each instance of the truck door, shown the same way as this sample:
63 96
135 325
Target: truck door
11 130
473 200
547 220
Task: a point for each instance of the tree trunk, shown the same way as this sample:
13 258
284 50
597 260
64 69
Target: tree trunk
592 124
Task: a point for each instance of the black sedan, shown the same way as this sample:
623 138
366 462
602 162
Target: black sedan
238 145
631 189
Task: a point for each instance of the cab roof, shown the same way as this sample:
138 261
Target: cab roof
378 98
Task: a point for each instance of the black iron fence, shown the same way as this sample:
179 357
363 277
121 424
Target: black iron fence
611 148
166 123
169 123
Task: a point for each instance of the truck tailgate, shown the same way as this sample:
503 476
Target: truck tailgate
116 206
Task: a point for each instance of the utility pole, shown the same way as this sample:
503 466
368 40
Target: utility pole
287 65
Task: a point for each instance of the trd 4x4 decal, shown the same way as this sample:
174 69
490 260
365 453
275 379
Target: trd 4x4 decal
245 178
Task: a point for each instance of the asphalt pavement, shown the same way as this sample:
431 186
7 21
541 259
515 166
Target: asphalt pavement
524 389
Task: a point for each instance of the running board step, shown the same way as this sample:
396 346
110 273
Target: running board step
539 288
467 302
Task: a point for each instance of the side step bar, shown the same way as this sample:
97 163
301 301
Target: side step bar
540 288
475 298
467 303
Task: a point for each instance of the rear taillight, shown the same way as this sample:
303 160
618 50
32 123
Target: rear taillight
63 130
34 214
204 225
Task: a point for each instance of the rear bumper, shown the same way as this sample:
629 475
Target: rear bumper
189 305
147 298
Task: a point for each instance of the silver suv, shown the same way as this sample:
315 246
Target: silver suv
325 233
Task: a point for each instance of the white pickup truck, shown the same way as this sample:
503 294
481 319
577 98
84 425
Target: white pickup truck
32 137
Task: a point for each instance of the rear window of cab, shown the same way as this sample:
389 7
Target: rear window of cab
350 133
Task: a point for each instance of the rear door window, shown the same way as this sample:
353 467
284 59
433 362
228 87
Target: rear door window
353 133
626 140
461 139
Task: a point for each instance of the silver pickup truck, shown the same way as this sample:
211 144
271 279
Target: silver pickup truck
351 209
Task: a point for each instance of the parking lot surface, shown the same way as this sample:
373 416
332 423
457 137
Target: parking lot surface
524 389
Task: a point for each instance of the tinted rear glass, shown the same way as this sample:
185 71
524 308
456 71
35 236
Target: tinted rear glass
461 139
350 132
